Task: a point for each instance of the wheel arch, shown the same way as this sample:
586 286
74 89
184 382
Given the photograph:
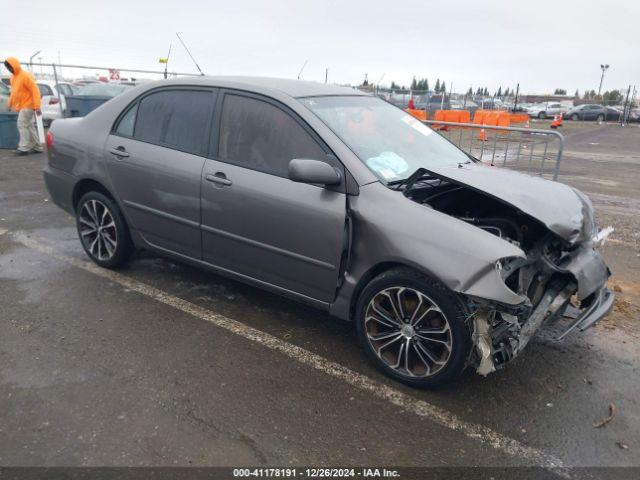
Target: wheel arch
89 185
376 270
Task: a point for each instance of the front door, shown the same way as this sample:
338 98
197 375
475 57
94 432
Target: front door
155 158
257 222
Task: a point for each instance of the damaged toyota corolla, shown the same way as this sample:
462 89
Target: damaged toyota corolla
342 201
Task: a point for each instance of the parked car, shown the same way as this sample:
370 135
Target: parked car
4 97
52 97
593 112
634 115
432 103
340 200
545 110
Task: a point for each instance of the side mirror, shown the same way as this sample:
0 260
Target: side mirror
313 171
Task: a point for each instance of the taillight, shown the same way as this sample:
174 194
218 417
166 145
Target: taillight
54 100
49 139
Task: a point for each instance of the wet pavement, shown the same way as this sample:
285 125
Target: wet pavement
101 370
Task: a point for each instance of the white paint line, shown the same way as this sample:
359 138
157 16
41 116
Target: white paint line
402 400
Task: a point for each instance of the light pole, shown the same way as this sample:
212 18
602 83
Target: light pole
604 69
31 59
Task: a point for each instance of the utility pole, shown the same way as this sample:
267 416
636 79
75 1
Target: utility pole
604 69
625 112
59 62
515 101
326 75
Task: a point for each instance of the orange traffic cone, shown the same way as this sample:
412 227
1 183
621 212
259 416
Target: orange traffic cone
555 124
560 120
482 136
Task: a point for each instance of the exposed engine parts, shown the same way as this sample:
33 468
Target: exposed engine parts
544 278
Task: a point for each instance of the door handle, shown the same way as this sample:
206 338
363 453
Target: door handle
119 152
219 178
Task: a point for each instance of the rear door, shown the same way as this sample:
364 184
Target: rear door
155 157
257 222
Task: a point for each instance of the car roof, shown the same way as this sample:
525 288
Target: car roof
292 88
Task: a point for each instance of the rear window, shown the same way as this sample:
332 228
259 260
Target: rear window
127 122
174 118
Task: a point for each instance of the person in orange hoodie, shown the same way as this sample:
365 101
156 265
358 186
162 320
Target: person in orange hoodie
24 99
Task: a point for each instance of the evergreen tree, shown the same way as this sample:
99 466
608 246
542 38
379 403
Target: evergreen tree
507 92
437 87
499 92
470 91
577 94
414 83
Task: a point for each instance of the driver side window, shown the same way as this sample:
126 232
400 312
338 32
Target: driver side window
258 135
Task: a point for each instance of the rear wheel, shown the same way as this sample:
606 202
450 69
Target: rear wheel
102 230
413 328
575 117
600 118
542 115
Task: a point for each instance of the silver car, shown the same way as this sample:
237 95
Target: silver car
342 201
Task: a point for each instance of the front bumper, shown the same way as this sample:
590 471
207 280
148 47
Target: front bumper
600 307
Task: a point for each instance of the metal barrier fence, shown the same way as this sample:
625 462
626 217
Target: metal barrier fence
532 150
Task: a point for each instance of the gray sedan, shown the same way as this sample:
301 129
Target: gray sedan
339 200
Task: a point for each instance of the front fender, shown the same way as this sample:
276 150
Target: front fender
390 228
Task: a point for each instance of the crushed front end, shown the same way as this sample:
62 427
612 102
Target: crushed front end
555 283
557 271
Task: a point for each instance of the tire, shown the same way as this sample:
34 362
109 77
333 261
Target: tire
434 330
600 118
542 115
575 117
102 230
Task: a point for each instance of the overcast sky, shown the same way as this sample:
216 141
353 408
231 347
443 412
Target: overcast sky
541 44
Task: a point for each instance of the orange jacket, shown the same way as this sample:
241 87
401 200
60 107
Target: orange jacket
24 91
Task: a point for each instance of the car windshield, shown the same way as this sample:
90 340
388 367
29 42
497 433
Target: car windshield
389 141
101 90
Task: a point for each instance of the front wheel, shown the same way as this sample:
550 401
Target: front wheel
413 328
102 230
575 117
600 118
542 115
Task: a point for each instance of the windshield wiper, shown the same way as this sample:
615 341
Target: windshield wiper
408 182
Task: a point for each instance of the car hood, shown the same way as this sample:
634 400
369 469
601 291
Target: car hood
564 210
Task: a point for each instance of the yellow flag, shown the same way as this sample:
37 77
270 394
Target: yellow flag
163 60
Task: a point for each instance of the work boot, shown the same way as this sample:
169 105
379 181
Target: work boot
35 150
21 153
